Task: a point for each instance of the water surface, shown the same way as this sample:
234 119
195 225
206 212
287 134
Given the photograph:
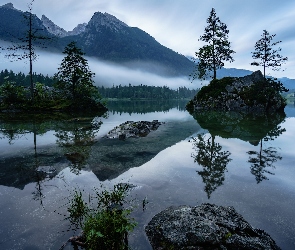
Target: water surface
229 160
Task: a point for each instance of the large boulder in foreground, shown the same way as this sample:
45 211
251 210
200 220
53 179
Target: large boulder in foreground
250 94
206 226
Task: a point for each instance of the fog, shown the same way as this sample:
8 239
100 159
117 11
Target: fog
106 74
178 25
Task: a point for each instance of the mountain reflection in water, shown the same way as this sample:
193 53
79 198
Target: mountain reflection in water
75 143
70 133
217 158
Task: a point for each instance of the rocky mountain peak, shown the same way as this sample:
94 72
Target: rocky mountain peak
8 6
80 28
60 32
52 27
106 20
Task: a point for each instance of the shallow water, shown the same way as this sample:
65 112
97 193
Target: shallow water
167 168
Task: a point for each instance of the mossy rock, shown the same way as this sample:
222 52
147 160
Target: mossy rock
252 94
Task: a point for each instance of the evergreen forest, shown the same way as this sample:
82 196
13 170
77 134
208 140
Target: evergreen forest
119 91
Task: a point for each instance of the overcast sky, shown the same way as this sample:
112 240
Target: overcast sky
178 24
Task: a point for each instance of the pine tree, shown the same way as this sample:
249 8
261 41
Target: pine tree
212 56
74 76
269 57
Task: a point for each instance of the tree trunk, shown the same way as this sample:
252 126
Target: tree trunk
213 53
31 57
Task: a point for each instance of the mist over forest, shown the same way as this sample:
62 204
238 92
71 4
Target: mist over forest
107 74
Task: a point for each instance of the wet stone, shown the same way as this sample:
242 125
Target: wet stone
207 226
46 169
133 129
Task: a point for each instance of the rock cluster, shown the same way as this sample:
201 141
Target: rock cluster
238 96
133 129
207 226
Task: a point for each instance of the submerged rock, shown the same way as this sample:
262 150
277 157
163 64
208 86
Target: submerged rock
207 226
75 157
133 129
47 169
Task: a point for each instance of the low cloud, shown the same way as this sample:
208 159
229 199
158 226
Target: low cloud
183 22
106 74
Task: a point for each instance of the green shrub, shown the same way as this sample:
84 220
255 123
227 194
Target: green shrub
12 94
41 93
107 225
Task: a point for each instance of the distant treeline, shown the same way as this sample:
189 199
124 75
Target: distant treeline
20 79
145 106
146 92
133 92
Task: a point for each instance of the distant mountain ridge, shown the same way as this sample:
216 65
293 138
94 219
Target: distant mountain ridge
108 38
104 37
14 25
287 82
60 32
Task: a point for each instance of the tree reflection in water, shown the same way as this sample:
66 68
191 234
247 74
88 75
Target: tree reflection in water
252 128
76 140
264 159
209 154
75 135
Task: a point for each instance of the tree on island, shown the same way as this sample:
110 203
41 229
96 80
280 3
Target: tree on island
212 56
74 78
269 57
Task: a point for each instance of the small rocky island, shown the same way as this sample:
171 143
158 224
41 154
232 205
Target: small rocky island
203 227
133 129
249 94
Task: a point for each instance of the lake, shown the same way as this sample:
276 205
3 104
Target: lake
227 159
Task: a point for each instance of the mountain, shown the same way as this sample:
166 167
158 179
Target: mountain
223 72
78 29
107 38
14 24
52 27
60 32
104 37
288 83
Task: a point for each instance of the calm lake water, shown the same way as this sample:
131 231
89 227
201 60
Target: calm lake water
221 158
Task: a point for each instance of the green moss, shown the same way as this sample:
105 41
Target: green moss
214 88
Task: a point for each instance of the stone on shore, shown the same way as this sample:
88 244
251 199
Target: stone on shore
207 226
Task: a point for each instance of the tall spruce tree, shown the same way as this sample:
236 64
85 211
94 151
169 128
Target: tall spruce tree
74 76
218 49
269 57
